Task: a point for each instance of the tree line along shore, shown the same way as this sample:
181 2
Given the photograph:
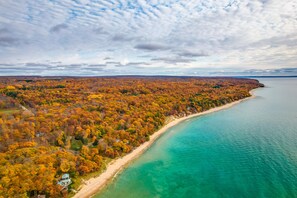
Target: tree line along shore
97 183
52 127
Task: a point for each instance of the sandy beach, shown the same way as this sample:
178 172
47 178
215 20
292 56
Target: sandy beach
93 185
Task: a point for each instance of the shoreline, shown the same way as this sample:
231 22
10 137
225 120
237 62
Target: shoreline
95 184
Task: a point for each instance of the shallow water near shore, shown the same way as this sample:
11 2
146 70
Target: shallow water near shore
249 150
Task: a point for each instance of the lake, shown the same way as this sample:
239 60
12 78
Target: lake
249 150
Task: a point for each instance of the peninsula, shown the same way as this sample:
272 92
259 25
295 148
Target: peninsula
95 184
56 131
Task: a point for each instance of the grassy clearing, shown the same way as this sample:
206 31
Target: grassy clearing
8 111
78 181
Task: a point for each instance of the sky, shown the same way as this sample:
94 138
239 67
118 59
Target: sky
148 37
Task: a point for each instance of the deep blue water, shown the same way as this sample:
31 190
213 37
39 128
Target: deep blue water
249 150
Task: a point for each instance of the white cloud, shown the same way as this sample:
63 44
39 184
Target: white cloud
163 34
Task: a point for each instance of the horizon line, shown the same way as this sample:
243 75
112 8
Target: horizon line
185 76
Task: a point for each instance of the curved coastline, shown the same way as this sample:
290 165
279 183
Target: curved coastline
93 185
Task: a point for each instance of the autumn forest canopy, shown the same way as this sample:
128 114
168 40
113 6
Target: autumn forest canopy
52 126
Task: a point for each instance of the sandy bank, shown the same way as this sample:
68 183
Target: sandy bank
93 185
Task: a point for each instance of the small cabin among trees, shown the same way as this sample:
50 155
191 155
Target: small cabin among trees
65 181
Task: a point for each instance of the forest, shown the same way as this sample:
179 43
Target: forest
51 126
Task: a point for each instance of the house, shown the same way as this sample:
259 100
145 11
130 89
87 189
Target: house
65 181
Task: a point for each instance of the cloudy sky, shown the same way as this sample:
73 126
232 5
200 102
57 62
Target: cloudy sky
148 37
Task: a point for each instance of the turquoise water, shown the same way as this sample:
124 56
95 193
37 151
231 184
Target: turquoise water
249 150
